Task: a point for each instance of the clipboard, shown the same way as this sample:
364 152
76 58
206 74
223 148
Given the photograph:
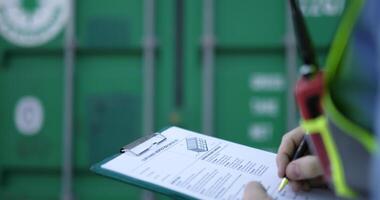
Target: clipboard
138 148
183 164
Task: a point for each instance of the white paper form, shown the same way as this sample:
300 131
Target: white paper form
205 167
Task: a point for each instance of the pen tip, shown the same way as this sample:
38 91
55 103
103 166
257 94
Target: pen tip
283 183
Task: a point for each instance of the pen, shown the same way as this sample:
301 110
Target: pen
301 150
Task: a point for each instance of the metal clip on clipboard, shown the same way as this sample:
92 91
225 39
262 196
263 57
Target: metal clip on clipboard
143 144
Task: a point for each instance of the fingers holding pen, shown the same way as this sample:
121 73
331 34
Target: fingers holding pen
289 144
304 172
307 167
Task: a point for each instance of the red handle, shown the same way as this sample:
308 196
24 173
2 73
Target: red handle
308 93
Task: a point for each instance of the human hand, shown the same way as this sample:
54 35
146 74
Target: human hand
302 173
254 190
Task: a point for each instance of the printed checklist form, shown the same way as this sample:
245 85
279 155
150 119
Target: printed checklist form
185 164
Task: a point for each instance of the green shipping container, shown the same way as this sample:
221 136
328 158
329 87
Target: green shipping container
254 63
248 101
108 94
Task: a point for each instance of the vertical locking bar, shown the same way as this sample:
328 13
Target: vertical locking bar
149 43
291 66
69 60
208 44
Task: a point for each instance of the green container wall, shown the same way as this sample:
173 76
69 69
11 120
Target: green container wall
109 82
250 73
108 100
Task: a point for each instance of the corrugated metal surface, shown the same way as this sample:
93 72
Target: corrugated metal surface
242 44
251 76
108 100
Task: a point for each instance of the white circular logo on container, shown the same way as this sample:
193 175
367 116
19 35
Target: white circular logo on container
29 115
32 22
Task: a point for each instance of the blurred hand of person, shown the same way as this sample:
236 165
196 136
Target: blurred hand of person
303 173
254 190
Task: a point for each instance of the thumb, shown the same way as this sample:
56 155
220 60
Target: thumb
255 191
307 167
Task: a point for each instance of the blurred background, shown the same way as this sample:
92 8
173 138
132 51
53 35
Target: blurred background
81 78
